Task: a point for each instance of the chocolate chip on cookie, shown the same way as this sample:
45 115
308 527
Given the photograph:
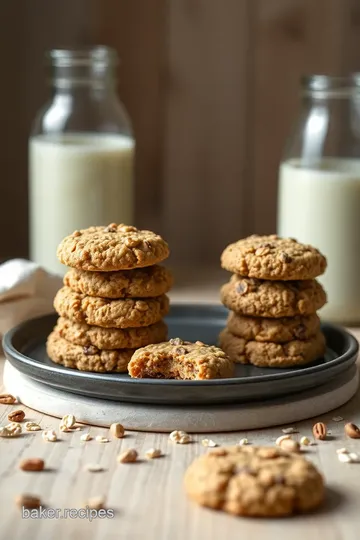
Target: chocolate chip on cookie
254 481
273 258
178 359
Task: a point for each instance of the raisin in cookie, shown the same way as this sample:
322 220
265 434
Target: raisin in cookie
88 358
177 359
254 481
276 330
272 257
139 283
273 299
123 313
110 338
267 354
111 248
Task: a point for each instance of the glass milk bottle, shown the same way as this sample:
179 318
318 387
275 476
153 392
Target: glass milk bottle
319 187
81 153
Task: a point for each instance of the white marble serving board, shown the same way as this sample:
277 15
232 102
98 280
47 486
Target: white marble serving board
219 418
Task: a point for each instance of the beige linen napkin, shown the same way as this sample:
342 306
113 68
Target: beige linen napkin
26 291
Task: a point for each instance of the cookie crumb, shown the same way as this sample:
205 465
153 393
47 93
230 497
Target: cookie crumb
49 435
86 437
93 467
128 456
305 441
101 439
209 443
243 442
153 453
179 437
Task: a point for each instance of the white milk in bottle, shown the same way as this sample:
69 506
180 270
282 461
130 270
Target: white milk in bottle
321 206
76 181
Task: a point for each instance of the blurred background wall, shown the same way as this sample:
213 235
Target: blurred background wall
212 90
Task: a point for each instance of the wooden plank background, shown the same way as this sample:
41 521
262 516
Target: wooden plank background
212 89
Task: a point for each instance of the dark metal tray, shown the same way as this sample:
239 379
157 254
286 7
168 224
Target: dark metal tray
24 346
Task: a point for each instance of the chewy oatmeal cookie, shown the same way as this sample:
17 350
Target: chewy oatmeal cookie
111 248
146 282
86 358
274 299
272 257
254 481
177 359
267 354
110 338
123 313
276 330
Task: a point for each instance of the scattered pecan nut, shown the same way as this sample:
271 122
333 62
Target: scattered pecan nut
352 431
319 431
16 416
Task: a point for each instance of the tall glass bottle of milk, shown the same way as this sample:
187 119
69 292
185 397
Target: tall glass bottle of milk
81 153
319 187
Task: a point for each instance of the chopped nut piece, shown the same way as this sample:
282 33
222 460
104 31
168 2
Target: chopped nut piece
209 443
16 416
14 428
101 439
7 399
86 437
290 445
342 451
337 418
153 453
32 426
68 420
28 501
320 431
282 438
305 441
128 456
352 431
32 464
243 442
63 428
95 503
180 437
93 467
289 430
49 435
117 430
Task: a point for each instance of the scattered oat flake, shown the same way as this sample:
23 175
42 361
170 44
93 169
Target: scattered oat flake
289 430
102 439
243 442
93 467
337 418
32 426
86 437
209 443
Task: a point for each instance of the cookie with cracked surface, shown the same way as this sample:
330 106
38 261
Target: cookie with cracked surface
178 359
146 282
276 330
272 257
88 358
112 248
274 299
254 481
122 313
267 354
110 338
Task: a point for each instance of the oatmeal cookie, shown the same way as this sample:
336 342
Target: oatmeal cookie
112 248
274 299
177 359
110 338
276 330
88 358
123 313
267 354
139 283
272 257
254 481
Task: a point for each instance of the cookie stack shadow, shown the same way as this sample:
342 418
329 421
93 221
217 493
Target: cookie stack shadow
273 298
113 300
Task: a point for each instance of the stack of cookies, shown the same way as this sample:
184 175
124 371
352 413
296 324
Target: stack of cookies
113 299
273 298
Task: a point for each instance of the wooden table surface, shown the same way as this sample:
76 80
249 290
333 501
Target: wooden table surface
148 497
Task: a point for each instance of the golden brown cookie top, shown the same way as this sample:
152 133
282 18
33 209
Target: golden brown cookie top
145 282
254 481
111 248
272 257
178 359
